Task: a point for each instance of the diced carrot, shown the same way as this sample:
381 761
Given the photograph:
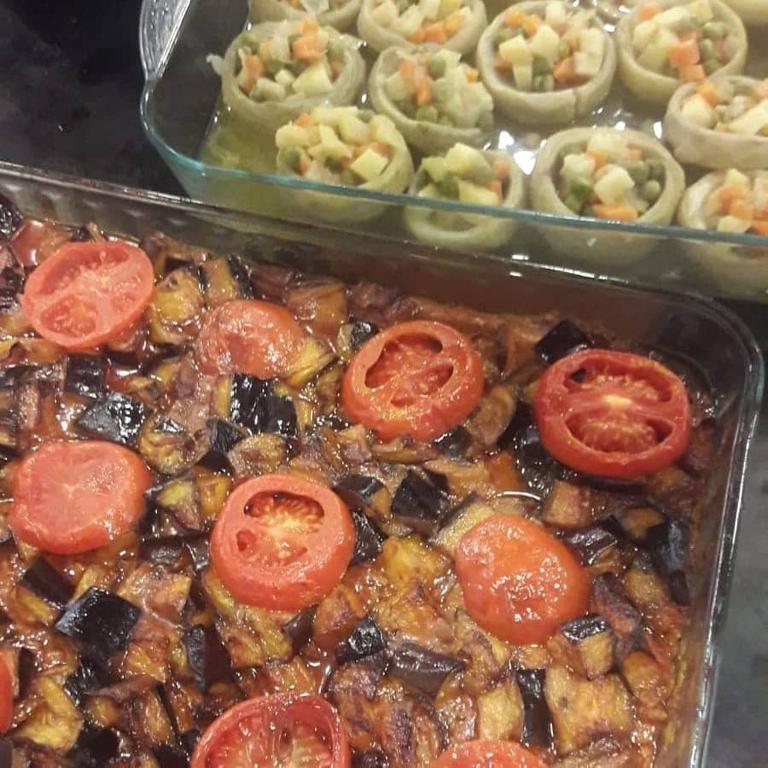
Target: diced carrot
648 10
531 24
453 23
760 227
598 156
514 17
692 73
634 154
382 148
727 194
565 71
304 163
309 26
500 168
406 68
615 212
495 186
741 209
435 33
423 91
709 93
254 66
265 49
305 120
472 74
684 54
419 36
305 48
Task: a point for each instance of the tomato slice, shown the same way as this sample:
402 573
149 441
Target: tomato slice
282 542
6 696
84 294
613 413
72 497
253 337
488 754
419 378
519 582
279 730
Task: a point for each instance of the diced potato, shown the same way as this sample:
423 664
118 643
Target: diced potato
644 33
500 712
436 167
556 14
385 13
314 80
383 130
545 42
736 178
613 185
396 87
523 74
612 143
698 110
476 195
673 16
752 122
269 90
733 225
461 159
592 43
369 165
578 167
516 51
352 129
430 9
702 10
447 7
285 77
451 59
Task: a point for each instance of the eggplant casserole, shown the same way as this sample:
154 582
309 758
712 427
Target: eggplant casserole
253 518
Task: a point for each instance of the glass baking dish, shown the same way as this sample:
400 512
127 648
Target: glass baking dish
181 99
700 334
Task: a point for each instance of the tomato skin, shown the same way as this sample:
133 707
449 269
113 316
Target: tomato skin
267 716
6 697
427 379
286 554
72 497
249 336
486 753
627 416
85 294
519 582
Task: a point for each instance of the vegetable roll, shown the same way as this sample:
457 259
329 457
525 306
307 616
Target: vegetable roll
344 146
472 176
751 11
433 98
546 63
663 43
613 10
340 14
720 123
276 70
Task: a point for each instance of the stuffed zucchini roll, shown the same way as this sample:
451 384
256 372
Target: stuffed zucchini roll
751 11
720 123
454 25
733 203
546 63
433 98
664 43
340 14
344 146
608 174
467 175
613 10
276 70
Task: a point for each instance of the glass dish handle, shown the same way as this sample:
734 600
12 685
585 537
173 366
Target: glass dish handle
159 24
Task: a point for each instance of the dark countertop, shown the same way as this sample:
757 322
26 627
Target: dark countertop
69 94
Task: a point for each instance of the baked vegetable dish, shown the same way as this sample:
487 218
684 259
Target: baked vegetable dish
256 518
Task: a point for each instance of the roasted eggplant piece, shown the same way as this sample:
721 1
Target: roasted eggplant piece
167 550
372 758
364 493
180 498
537 723
225 279
11 286
366 640
500 712
648 682
170 757
299 629
368 539
634 522
667 544
609 599
471 511
245 397
54 722
95 747
567 506
277 415
91 675
591 544
562 340
176 308
167 446
46 582
9 432
208 659
102 621
258 455
586 645
85 375
10 218
353 335
454 443
199 552
223 438
6 753
115 417
421 668
419 503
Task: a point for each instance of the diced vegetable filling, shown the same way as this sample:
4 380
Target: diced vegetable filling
338 145
739 205
686 41
306 63
316 7
609 179
560 50
423 21
438 88
727 107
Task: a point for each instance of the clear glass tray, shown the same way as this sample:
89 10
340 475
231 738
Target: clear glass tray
182 115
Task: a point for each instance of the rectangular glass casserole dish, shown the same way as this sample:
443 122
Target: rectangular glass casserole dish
698 333
181 97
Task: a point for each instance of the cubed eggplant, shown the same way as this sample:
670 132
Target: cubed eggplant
588 645
454 443
278 415
419 503
567 506
225 279
421 668
364 493
46 582
299 629
9 432
353 335
537 723
85 375
95 747
372 758
668 544
6 753
366 640
591 544
207 656
188 740
26 670
91 675
246 395
171 757
562 340
10 219
632 524
115 417
181 499
167 446
11 286
368 539
102 621
166 550
199 552
224 436
609 599
12 374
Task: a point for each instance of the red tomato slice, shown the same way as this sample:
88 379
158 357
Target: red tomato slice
6 696
72 497
519 582
86 293
280 730
419 378
282 542
613 413
253 337
488 754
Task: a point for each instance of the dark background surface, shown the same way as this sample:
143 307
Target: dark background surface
70 80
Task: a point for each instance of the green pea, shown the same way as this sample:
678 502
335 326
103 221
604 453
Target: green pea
485 122
580 189
274 66
543 83
574 203
706 49
348 178
292 157
436 67
407 107
715 30
744 89
711 65
651 191
366 115
449 186
541 66
335 51
482 173
427 113
639 171
687 25
655 167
